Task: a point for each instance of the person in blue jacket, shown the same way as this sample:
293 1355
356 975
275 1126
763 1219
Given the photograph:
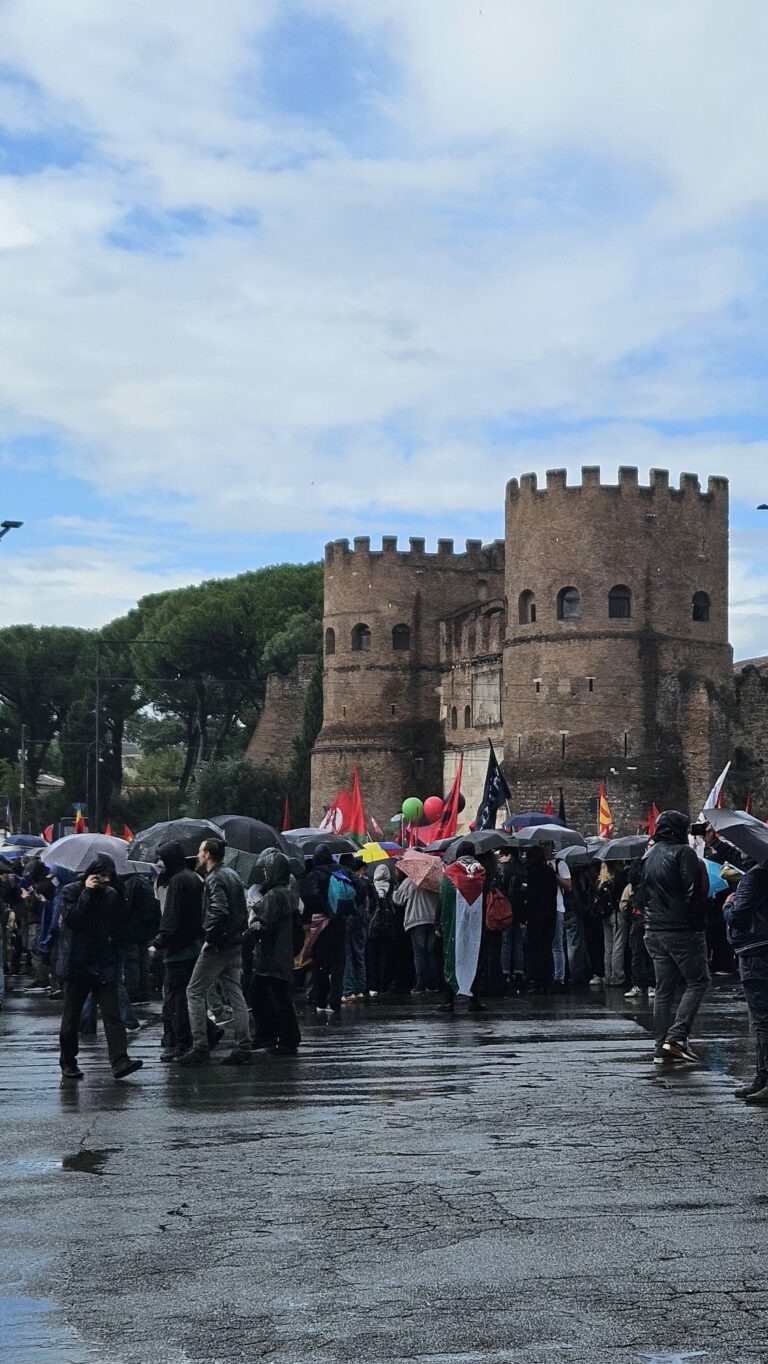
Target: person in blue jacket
746 917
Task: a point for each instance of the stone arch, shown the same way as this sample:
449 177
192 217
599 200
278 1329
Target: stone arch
330 641
361 638
619 602
526 608
569 603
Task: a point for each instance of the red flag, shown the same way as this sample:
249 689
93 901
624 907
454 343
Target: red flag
653 818
447 824
287 814
108 829
549 808
128 835
47 833
604 816
748 803
375 827
346 814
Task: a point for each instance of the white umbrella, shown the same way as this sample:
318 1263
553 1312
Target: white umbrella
77 851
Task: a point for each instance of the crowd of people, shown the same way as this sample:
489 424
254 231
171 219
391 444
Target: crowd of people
347 931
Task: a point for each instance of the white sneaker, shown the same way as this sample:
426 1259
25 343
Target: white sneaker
596 980
634 993
651 993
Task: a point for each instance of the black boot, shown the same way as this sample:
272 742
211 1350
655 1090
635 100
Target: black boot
754 1087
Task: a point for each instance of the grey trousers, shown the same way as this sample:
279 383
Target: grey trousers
222 965
615 938
680 963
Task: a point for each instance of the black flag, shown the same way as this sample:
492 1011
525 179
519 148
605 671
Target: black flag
495 793
561 811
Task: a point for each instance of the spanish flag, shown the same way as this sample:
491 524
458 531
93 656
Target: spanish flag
604 816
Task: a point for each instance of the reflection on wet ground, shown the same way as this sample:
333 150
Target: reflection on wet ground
519 1186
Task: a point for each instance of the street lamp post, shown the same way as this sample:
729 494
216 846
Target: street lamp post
5 526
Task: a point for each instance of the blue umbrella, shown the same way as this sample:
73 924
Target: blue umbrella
530 820
716 881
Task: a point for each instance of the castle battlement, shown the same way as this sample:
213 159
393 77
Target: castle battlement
628 483
475 555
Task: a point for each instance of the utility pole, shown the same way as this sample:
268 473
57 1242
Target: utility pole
23 781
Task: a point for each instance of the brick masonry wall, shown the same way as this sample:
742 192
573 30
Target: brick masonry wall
280 721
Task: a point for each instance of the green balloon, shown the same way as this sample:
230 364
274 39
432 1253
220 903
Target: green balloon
413 810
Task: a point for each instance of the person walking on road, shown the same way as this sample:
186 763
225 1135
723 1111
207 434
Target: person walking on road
273 921
674 898
746 916
179 940
225 916
90 962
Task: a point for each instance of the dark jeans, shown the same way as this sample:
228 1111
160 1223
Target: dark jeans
539 963
136 964
423 945
642 966
680 964
328 959
106 996
753 969
579 966
271 1001
87 1024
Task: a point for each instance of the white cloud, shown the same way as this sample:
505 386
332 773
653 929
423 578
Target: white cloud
558 235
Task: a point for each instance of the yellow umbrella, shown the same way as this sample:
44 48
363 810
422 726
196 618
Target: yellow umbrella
373 852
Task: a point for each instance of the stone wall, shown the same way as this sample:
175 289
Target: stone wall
280 721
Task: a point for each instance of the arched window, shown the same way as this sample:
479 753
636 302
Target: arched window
467 717
568 603
330 641
700 607
526 608
620 603
401 637
361 639
482 589
454 717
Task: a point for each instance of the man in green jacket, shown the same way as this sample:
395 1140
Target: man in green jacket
225 916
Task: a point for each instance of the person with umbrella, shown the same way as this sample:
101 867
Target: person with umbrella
272 925
674 899
90 961
417 894
225 917
746 916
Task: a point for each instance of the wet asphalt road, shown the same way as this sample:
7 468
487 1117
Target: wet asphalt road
512 1186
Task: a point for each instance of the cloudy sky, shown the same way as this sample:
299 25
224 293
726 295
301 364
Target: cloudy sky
272 272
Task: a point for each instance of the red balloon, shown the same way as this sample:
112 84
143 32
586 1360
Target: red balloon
433 808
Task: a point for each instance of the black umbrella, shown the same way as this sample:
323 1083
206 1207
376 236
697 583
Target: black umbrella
249 835
484 841
575 856
27 841
244 863
621 849
745 832
304 841
188 832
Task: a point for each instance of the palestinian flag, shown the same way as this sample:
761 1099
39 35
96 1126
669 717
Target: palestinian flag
461 912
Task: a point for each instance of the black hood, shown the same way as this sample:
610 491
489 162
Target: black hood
672 827
322 856
273 867
102 865
173 856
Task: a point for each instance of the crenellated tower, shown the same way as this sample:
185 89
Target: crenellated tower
382 665
617 664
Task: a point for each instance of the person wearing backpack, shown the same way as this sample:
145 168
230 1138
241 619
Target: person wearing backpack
356 912
328 932
273 924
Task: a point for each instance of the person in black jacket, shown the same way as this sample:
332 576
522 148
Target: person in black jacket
673 897
272 923
746 915
329 952
90 961
542 918
179 939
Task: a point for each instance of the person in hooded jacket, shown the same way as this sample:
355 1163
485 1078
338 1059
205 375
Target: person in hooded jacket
90 962
330 943
746 917
273 920
673 895
179 939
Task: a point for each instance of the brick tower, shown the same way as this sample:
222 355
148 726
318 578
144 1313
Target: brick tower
382 673
617 665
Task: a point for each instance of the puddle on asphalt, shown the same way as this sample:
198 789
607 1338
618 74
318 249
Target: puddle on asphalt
26 1166
89 1162
30 1336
